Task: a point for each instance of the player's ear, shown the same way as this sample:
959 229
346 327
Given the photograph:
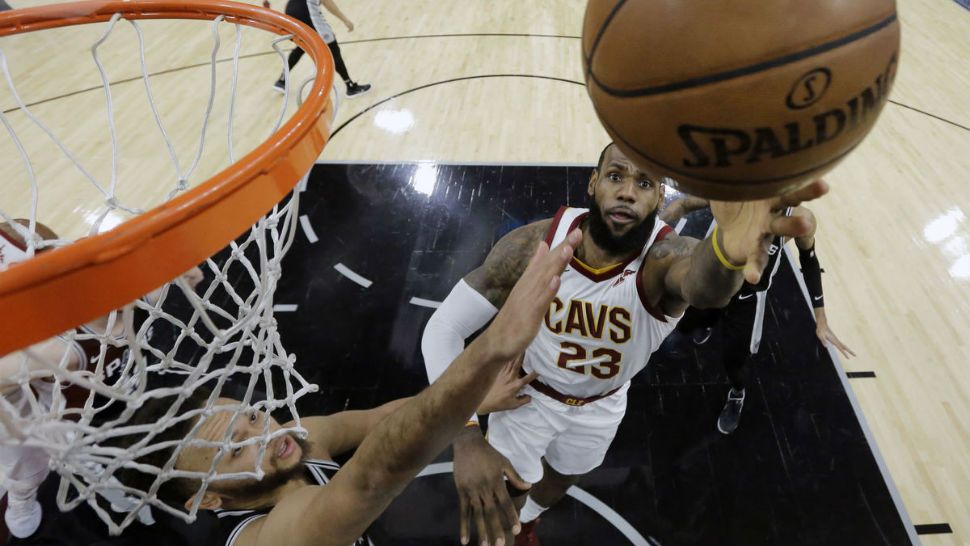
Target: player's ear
210 501
590 189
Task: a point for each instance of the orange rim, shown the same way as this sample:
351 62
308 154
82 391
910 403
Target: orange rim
58 290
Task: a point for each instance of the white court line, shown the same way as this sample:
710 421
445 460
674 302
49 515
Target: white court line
421 302
598 506
857 409
284 307
347 272
308 229
710 228
680 225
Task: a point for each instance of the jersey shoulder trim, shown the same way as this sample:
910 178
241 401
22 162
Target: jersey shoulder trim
234 535
551 233
662 233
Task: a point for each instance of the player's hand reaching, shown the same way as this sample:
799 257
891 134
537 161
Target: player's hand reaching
504 394
518 321
480 474
828 337
747 227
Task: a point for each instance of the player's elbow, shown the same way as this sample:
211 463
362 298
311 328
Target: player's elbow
439 345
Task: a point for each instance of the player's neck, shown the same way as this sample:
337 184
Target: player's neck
267 500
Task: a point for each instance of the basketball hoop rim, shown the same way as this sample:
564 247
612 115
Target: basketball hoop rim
68 286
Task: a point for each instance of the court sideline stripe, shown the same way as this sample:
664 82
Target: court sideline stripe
857 409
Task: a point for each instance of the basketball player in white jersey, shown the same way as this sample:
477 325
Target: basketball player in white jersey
741 320
622 294
24 468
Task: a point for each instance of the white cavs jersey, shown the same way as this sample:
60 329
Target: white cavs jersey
600 329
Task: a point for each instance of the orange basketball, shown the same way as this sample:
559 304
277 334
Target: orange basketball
744 99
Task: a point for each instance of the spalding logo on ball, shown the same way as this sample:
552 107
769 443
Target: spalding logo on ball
739 99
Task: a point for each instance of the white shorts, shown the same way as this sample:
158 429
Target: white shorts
573 439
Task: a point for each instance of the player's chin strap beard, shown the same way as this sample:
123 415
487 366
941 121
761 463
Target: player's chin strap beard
255 490
622 245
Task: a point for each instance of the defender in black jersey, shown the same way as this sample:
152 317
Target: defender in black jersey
231 523
741 321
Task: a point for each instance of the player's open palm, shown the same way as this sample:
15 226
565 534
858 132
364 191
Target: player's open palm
480 473
504 394
747 227
518 321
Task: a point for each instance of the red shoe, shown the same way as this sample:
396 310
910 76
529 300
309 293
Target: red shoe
527 536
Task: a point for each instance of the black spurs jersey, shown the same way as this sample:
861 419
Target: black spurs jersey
232 522
774 254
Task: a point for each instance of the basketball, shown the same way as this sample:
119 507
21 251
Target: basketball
739 100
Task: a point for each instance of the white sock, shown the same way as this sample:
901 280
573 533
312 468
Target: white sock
531 510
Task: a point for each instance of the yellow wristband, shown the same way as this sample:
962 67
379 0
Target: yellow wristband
471 424
720 255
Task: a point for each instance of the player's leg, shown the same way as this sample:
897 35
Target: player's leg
298 10
354 89
578 449
737 324
522 436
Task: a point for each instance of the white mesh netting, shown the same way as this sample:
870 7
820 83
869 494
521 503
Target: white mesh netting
72 399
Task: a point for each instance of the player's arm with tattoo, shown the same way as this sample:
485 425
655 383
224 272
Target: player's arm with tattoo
476 298
694 276
682 207
706 274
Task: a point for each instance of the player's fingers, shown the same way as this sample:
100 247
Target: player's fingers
529 378
478 514
463 515
508 507
789 226
493 518
755 265
509 368
807 193
514 478
564 251
521 401
842 348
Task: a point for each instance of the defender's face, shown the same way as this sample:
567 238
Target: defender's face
625 195
282 454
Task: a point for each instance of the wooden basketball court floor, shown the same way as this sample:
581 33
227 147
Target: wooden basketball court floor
459 82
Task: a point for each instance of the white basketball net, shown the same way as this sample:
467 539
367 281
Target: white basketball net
220 333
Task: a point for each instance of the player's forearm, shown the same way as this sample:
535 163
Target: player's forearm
461 314
708 283
332 8
406 441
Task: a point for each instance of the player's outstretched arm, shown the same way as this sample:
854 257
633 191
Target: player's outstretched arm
706 274
336 434
404 442
676 210
477 298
